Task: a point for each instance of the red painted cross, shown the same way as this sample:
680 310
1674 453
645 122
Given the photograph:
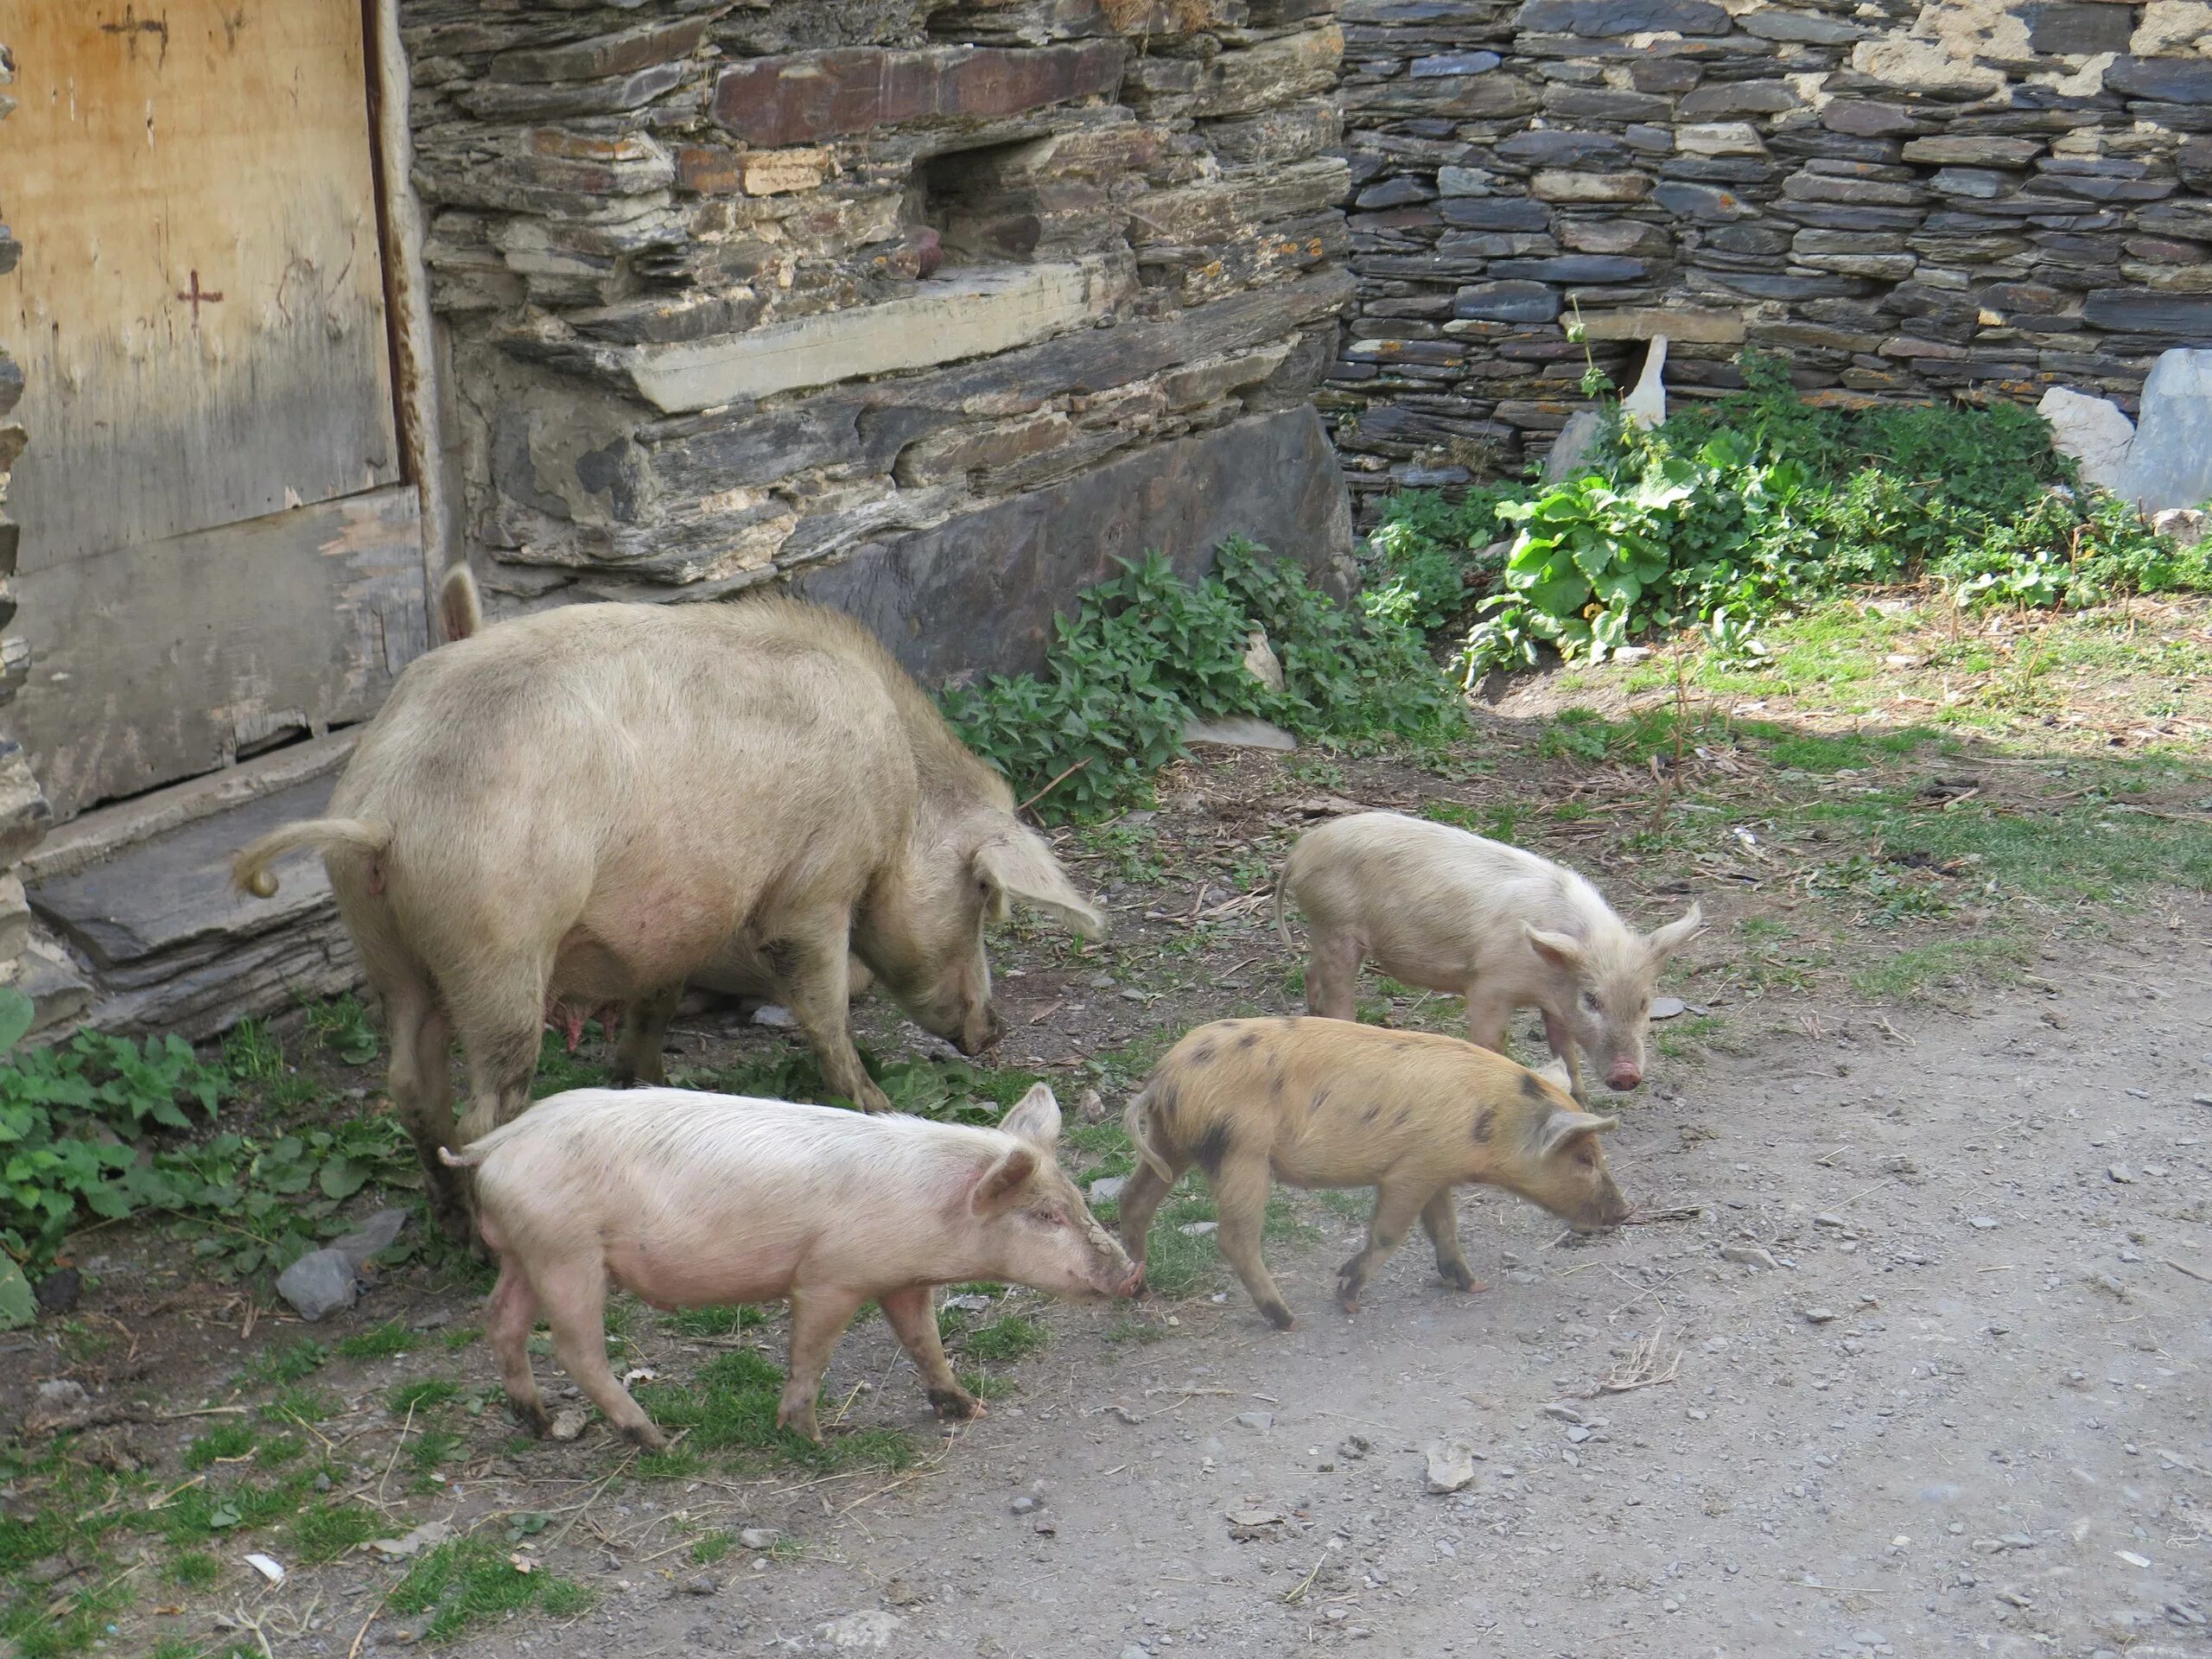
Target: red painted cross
197 296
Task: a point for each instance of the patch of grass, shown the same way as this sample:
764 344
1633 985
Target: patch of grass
225 1443
323 1532
1684 1038
1143 1332
716 1321
342 1026
1348 1205
194 1570
469 1580
434 1447
275 1453
421 1395
293 1363
382 1343
462 1335
680 1463
298 1405
983 1385
732 1407
712 1547
177 1647
1909 973
1015 1337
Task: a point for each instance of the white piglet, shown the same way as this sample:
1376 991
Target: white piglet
1437 908
696 1200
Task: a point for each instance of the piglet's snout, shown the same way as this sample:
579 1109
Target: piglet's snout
1625 1075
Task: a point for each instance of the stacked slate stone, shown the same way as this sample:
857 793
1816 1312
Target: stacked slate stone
914 290
24 815
1913 201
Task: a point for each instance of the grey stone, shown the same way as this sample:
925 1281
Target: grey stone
2081 30
321 1282
1516 302
1454 63
1702 202
2168 80
1450 1467
375 1235
1553 147
1403 189
2092 430
1238 732
1603 19
1107 1189
1496 213
1258 1422
981 591
1946 150
1724 98
2132 311
1571 448
1798 27
2169 464
1572 268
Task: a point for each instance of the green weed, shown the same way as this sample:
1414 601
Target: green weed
468 1580
382 1343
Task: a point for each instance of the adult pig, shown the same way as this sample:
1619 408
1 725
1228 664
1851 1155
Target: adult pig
1319 1103
695 1201
582 806
1437 908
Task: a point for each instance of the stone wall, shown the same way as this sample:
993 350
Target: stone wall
1912 200
868 295
56 992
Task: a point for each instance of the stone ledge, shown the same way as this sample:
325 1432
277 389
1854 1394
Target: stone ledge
944 319
771 102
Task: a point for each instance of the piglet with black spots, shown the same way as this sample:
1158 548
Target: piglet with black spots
697 1200
1318 1103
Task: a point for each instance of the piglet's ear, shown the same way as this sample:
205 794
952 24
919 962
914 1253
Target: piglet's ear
1663 942
1035 1118
1560 1127
1018 865
1002 1184
1558 949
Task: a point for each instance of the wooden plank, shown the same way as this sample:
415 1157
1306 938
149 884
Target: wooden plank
152 663
200 310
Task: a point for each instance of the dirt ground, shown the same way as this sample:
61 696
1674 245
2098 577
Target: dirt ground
1907 1350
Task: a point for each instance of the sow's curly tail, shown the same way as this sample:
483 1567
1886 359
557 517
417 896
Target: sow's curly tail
250 871
461 610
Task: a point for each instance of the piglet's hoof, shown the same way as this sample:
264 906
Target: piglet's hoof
957 1404
533 1417
646 1437
1278 1316
1461 1279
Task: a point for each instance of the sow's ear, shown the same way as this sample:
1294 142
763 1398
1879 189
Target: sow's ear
1035 1118
1560 1127
1002 1183
1663 942
1558 949
1018 865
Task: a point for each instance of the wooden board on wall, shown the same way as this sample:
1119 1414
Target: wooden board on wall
200 310
155 662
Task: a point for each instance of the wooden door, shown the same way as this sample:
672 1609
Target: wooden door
217 546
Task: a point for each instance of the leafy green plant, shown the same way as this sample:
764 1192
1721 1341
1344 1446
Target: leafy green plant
1145 653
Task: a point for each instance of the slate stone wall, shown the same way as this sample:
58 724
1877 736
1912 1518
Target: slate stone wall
827 289
1913 200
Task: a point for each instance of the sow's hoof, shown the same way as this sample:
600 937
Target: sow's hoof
1278 1316
646 1437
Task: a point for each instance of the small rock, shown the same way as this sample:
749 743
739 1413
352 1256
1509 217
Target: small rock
1090 1106
428 1535
2121 1174
1751 1256
2187 525
1107 1188
700 1585
1354 1446
1982 1223
1667 1008
1133 1651
59 1291
51 1570
1197 1229
60 1404
1260 661
1239 732
568 1423
374 1234
2111 1286
870 1632
1829 1220
321 1282
1817 1315
267 1566
1025 1505
775 1014
1563 1412
1045 1527
1258 1422
758 1537
1451 1467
